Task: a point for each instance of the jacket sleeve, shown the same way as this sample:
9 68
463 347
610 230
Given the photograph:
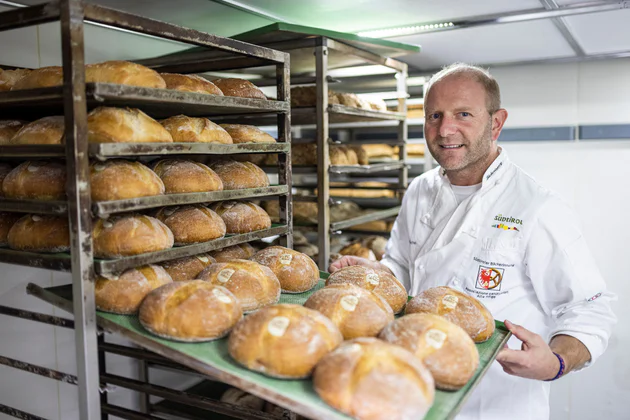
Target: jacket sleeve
569 287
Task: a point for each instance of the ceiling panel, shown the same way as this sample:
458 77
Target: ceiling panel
604 32
488 44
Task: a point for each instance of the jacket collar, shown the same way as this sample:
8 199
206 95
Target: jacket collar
493 174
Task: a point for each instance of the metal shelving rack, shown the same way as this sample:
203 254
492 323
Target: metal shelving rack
73 99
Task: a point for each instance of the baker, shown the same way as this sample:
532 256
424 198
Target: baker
480 224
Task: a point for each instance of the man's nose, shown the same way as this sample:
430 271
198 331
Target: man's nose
447 127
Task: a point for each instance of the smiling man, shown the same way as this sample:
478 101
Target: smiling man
480 224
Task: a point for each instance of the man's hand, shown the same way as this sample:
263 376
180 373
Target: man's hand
348 260
535 360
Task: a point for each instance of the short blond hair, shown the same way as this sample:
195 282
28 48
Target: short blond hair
481 75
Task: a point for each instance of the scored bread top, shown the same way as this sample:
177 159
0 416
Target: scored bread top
239 87
7 220
187 268
124 125
8 129
247 134
296 272
200 130
242 216
40 233
192 224
8 78
190 83
47 130
123 73
130 234
236 252
119 179
36 180
40 78
239 175
186 176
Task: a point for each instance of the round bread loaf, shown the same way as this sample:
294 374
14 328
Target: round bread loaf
444 348
36 180
39 78
199 130
119 179
7 220
283 341
190 83
377 244
5 169
239 175
241 398
190 311
297 272
47 130
187 176
369 379
247 134
242 251
239 87
124 294
192 224
355 311
187 268
242 217
132 234
124 125
253 284
459 308
8 78
377 281
40 233
123 73
8 129
358 250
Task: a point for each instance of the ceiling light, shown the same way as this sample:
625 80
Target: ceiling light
380 95
416 81
360 71
405 30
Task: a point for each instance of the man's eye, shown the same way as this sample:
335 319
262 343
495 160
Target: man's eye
434 116
465 114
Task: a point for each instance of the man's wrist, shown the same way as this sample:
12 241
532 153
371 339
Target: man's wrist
561 368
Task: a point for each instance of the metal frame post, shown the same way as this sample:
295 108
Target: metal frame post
403 130
285 177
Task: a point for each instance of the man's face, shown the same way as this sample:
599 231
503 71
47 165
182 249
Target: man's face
458 127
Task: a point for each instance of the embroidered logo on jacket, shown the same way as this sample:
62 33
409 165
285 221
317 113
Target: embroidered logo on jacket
489 278
505 227
501 218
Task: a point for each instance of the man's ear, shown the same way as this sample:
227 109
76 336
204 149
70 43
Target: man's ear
498 119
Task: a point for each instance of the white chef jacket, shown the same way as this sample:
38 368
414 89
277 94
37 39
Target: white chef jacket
516 247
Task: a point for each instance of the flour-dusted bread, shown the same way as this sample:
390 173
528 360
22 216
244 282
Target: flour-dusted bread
242 251
190 311
47 130
36 180
190 83
283 341
239 87
123 73
185 129
239 175
354 310
377 244
124 125
8 129
192 224
129 234
377 281
242 216
186 176
119 179
444 348
40 78
187 268
247 134
369 379
40 233
296 271
7 220
459 308
123 294
358 250
8 78
254 285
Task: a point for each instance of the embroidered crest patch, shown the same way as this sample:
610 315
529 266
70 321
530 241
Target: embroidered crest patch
489 278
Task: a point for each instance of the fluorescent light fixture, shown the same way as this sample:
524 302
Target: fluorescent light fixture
224 75
380 95
405 30
360 71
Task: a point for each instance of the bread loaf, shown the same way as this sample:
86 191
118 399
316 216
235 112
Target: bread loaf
132 234
8 78
186 176
198 130
239 87
459 308
36 180
377 281
7 220
243 399
355 311
283 341
377 244
297 272
303 212
124 125
119 179
241 216
8 129
187 268
192 224
123 73
40 233
378 150
124 294
247 134
5 169
236 252
369 379
378 104
40 78
358 250
190 83
306 96
373 226
190 311
253 284
255 158
239 175
47 130
445 349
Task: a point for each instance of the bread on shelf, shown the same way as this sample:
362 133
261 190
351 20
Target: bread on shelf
358 250
185 129
36 180
242 216
186 176
124 125
306 96
296 272
235 252
192 224
129 234
239 87
247 134
187 268
243 399
8 78
5 169
40 78
190 83
7 220
303 212
8 129
119 179
40 233
239 175
123 73
47 130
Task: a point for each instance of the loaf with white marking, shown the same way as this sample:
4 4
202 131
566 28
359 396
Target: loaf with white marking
124 125
186 176
130 234
192 224
296 272
185 129
242 216
40 233
36 180
187 268
47 130
119 179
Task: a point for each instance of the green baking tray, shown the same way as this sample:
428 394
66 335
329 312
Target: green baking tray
213 360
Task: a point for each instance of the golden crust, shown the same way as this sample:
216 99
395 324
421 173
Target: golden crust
190 83
40 78
36 180
236 252
239 87
247 134
192 224
132 234
8 78
7 220
119 179
187 268
242 216
123 73
239 175
40 233
47 130
8 129
124 125
186 176
195 130
296 272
